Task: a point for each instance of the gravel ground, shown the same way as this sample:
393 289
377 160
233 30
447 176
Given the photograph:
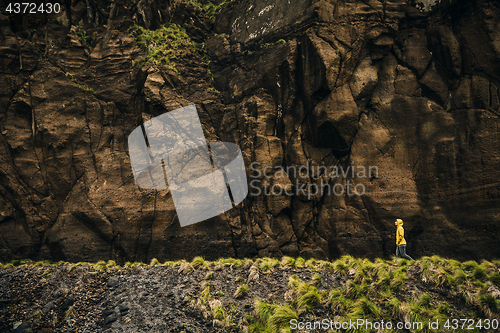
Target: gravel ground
164 298
139 299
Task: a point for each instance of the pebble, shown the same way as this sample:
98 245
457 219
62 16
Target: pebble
21 327
109 319
68 302
113 282
108 312
123 308
4 302
48 307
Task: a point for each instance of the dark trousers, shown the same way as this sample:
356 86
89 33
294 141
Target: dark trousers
401 252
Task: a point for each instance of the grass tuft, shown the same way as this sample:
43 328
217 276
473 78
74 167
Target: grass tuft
424 300
197 262
311 264
316 280
101 265
494 278
299 262
366 308
186 268
241 291
306 296
111 264
470 265
479 273
487 300
287 261
281 318
340 267
396 307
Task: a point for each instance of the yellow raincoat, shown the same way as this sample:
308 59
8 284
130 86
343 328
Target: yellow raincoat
400 233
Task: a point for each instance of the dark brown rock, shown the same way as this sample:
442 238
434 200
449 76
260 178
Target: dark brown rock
406 82
435 83
412 50
366 84
447 48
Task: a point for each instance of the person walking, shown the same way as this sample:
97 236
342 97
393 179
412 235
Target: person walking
400 241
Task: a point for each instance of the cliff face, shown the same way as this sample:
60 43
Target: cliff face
414 95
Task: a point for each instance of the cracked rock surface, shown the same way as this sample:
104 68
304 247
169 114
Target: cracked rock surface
415 94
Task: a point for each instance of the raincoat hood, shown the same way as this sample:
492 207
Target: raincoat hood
400 222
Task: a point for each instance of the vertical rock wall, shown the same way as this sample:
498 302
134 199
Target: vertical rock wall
412 94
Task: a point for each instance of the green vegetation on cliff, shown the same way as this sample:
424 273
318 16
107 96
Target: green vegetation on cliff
209 8
165 45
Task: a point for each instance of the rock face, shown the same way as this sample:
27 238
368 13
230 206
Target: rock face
411 97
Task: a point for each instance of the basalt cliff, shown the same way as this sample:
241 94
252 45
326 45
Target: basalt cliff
412 92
